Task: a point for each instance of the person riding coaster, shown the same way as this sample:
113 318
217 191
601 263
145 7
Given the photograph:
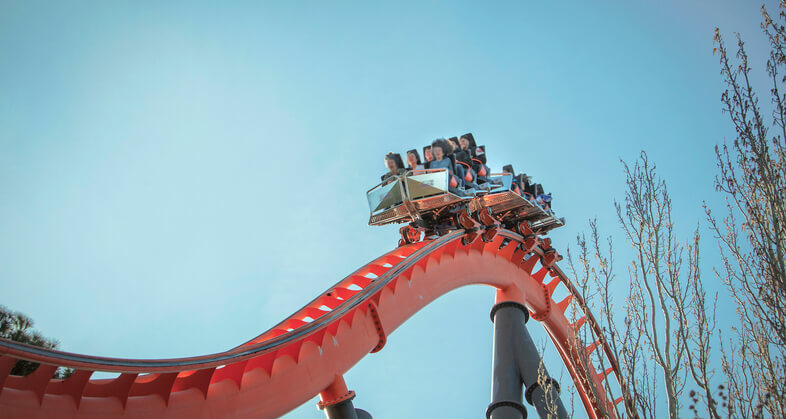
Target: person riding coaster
479 163
452 148
523 184
394 164
439 150
427 156
470 177
454 144
478 159
467 143
483 171
413 160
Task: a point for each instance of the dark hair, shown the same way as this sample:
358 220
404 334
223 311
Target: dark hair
417 156
443 144
471 139
454 144
396 159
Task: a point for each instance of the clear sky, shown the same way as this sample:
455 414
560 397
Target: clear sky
176 177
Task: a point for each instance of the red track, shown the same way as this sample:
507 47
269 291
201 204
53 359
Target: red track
308 353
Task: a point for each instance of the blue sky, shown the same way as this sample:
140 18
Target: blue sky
176 178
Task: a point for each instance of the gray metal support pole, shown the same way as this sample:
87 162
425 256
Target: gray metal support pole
544 397
345 410
517 362
506 390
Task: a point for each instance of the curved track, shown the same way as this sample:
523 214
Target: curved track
304 354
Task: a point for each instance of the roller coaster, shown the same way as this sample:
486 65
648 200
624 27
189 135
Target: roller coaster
493 238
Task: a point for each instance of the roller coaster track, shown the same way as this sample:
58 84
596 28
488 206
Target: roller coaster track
308 353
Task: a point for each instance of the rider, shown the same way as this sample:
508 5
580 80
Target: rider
413 160
440 149
530 190
427 155
394 164
470 177
453 148
544 200
454 144
467 143
479 164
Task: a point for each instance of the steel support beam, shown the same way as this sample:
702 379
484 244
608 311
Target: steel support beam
336 402
517 363
506 390
345 410
542 391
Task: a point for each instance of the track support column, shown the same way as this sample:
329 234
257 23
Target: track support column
542 390
517 363
506 391
336 401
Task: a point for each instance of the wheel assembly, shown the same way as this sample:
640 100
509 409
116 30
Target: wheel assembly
409 234
485 218
463 219
488 235
525 228
470 237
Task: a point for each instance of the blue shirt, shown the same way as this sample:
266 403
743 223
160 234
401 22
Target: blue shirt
445 163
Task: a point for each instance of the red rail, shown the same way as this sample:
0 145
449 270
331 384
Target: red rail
303 355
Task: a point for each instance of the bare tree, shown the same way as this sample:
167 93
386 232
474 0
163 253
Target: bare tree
594 279
752 235
666 337
656 269
661 337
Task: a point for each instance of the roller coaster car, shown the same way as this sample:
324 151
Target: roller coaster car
419 196
510 208
424 199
